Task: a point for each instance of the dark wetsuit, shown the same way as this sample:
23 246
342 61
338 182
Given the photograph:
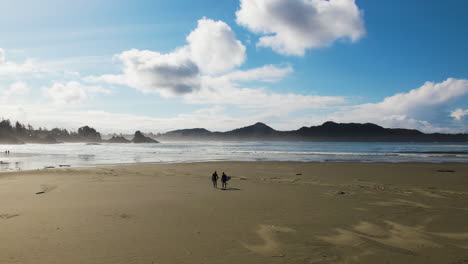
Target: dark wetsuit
214 179
224 180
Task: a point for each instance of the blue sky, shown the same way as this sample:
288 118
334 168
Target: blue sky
394 63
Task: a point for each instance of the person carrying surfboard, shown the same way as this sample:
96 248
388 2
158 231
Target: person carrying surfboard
224 180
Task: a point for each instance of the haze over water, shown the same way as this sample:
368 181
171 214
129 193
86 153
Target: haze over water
38 156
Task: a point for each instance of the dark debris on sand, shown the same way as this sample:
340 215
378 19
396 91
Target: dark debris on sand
445 170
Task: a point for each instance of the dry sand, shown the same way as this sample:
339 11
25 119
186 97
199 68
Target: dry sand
274 212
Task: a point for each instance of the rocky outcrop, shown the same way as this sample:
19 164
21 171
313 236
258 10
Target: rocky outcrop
89 134
140 138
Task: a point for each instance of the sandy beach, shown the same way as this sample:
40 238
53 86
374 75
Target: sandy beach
272 212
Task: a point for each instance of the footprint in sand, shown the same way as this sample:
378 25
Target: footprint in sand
401 202
270 245
395 237
430 194
120 216
45 188
8 216
366 238
459 239
125 216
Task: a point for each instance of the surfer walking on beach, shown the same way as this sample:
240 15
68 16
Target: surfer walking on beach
224 179
214 179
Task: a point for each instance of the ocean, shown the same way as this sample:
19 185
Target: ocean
39 156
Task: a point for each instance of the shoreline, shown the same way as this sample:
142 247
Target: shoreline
66 166
77 155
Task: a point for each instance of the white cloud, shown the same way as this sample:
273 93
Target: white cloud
214 48
71 92
256 98
429 94
193 71
20 88
408 110
292 26
153 72
459 113
7 67
150 72
11 68
15 89
2 56
213 90
267 73
176 74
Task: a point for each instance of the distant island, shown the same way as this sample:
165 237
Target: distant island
328 131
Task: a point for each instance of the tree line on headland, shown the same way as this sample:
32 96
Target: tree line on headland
20 134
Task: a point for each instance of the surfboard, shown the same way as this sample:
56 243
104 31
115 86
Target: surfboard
228 178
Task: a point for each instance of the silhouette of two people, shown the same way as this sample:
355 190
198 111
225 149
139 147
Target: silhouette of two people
224 179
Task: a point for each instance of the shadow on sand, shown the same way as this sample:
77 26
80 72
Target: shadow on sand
231 189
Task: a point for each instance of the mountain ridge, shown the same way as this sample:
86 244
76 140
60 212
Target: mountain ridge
328 131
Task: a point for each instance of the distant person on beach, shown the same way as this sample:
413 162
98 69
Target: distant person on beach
214 179
224 180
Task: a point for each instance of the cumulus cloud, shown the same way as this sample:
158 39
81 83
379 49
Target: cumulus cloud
153 72
194 72
11 68
429 94
214 48
291 26
459 113
14 89
71 92
197 72
408 110
202 72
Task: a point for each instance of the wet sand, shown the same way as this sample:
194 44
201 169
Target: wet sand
272 212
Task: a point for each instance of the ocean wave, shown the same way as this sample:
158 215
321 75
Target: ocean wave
437 152
390 154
